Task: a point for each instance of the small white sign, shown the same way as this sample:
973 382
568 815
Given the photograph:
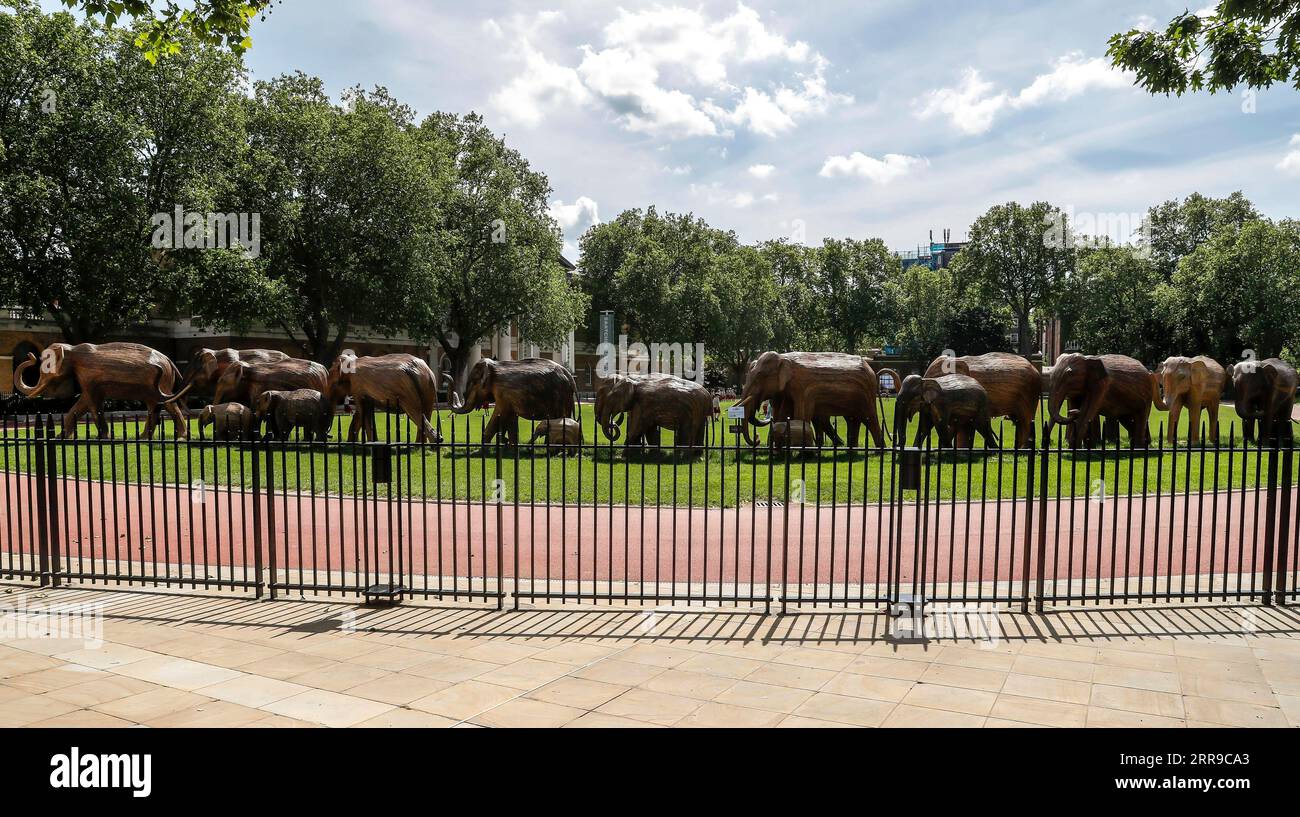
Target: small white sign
735 412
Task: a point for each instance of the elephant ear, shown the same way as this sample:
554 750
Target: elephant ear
931 390
784 374
1271 373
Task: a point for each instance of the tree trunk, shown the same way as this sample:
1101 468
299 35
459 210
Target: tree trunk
1026 345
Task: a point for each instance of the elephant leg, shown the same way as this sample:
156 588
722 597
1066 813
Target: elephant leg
181 426
1193 422
83 405
1212 410
493 424
1175 414
151 420
855 429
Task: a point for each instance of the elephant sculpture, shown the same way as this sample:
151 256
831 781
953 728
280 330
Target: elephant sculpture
954 404
564 433
392 382
108 371
242 381
784 435
1012 383
532 389
1265 392
208 365
817 386
287 411
1193 383
651 402
1114 386
230 421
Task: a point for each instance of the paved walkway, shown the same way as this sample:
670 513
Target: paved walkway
186 660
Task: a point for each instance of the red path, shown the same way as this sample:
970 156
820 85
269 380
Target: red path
152 526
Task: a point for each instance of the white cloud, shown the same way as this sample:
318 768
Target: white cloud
973 104
878 171
1290 163
583 211
761 171
1073 75
677 72
740 200
677 170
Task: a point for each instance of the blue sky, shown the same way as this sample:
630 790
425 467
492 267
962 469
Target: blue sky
853 119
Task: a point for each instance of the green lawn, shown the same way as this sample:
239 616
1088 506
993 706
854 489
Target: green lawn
728 473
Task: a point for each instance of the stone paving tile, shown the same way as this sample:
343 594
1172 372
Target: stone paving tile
251 690
1052 668
397 688
614 671
764 696
719 715
451 668
401 718
869 686
578 692
689 684
1114 718
464 700
528 714
906 716
1052 689
83 719
211 715
1233 713
791 675
600 720
180 673
653 707
148 706
1038 711
964 677
727 666
337 676
845 709
101 690
327 708
953 699
1166 704
31 709
55 678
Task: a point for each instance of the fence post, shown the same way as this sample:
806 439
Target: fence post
42 510
1029 531
1284 521
255 456
1042 517
1270 523
52 501
500 571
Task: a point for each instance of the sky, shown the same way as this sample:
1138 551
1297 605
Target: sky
808 120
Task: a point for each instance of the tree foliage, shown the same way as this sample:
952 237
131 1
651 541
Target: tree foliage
93 142
164 31
498 248
1019 257
1174 229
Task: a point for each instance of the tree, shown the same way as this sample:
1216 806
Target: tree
850 282
1019 256
933 312
1113 306
1236 292
750 311
1255 43
1174 229
799 319
347 200
93 143
165 31
498 248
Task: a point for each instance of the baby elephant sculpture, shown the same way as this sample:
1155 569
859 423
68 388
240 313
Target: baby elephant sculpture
230 421
951 404
786 434
287 411
561 432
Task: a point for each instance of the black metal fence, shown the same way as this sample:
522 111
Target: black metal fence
719 525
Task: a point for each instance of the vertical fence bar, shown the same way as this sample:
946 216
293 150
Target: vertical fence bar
1042 521
1270 524
52 498
42 509
1284 522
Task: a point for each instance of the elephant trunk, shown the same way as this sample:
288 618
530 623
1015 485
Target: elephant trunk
750 405
458 405
1157 394
1054 410
612 427
23 388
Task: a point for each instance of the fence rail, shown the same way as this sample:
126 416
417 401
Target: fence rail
720 525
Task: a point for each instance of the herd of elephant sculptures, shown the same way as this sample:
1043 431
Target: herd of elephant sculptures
805 391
